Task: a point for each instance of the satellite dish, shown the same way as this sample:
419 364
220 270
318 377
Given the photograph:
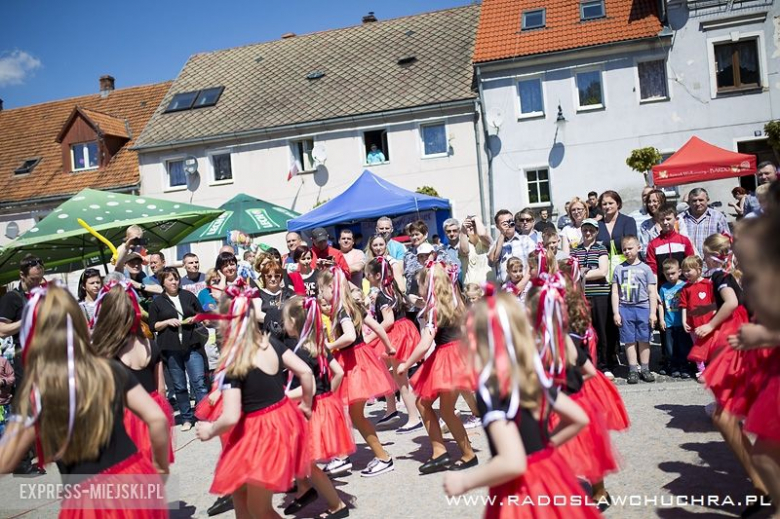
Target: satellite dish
12 230
495 117
191 164
319 153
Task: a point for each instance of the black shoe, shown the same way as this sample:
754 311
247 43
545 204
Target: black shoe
633 377
300 503
221 505
758 506
436 464
28 471
338 514
463 465
646 376
685 375
662 371
605 502
293 489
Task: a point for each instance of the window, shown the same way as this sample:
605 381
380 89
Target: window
589 91
375 143
534 19
208 97
84 156
182 249
529 92
301 151
592 9
176 175
223 169
736 66
434 139
27 166
538 181
181 102
652 80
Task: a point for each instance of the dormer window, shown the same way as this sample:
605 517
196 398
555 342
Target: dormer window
592 9
27 166
195 99
84 156
534 19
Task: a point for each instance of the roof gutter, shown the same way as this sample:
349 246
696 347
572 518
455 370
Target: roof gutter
59 198
267 132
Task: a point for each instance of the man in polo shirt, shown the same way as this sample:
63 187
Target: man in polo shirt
451 249
156 265
356 258
701 221
509 244
194 280
294 241
384 227
325 256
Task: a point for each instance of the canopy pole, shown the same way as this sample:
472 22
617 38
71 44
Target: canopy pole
103 256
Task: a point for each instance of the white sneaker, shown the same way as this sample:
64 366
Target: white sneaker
443 427
472 422
377 467
338 467
609 375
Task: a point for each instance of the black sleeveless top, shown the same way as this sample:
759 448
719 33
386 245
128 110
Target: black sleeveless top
321 380
259 389
445 334
146 376
721 280
119 446
574 379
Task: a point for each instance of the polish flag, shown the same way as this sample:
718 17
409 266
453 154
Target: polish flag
294 169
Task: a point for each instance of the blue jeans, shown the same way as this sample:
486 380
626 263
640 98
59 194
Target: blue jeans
190 361
678 346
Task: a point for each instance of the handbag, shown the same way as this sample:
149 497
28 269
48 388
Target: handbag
615 259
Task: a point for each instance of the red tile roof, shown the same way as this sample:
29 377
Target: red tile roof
499 35
31 132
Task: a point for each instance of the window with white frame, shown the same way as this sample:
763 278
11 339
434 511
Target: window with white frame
652 80
590 92
223 168
301 152
538 182
176 175
529 93
534 19
592 9
434 139
375 147
737 65
84 156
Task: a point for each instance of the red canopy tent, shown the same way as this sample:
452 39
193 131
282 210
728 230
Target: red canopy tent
699 161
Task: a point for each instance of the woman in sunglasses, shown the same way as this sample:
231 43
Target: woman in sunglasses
272 298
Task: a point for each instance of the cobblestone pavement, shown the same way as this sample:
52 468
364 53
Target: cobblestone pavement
670 453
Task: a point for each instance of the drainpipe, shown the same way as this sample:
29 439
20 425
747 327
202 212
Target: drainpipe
491 196
477 118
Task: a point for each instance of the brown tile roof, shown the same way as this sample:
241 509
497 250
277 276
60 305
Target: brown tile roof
32 131
499 35
266 85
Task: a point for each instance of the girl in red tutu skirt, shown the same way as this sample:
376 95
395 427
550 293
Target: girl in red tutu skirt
268 446
526 471
388 310
117 335
697 304
444 373
64 379
330 433
365 376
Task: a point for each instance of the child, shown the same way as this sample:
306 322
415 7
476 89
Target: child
329 430
678 342
7 381
634 302
697 304
517 277
473 293
90 284
525 466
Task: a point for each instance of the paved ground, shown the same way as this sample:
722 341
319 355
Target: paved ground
671 451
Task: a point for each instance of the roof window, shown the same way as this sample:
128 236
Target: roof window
27 166
592 9
534 19
407 60
315 74
208 97
195 99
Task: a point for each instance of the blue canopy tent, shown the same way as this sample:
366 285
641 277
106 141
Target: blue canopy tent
369 198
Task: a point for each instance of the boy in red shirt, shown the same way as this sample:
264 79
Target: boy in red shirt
697 302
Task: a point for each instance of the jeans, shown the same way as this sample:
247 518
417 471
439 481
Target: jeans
191 361
678 346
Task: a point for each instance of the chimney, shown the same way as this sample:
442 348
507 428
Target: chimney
106 85
288 35
369 18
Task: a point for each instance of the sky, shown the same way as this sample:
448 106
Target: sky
54 49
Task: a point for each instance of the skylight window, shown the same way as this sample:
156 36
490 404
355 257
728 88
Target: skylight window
534 19
27 166
195 99
592 9
315 74
208 97
182 101
407 60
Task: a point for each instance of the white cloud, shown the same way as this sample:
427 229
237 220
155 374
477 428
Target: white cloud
15 66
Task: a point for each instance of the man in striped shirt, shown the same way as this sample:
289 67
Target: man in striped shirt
702 221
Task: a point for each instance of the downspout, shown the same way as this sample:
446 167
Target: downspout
477 118
491 196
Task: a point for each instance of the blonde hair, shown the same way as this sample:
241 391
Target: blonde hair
212 277
692 262
348 304
294 311
246 345
719 246
46 369
115 321
450 311
136 228
521 373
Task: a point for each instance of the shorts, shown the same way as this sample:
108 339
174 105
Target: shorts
636 324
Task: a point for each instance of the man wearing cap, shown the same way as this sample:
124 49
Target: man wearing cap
323 255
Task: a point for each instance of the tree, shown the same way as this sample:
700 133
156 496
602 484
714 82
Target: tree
643 160
428 190
772 132
321 202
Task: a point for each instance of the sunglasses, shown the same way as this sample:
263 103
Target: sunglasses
525 220
274 276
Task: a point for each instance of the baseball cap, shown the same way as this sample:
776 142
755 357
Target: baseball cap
591 221
425 248
133 255
319 235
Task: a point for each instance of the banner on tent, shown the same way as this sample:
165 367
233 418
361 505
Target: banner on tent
262 218
368 228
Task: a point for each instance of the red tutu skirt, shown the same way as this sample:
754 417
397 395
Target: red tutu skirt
444 370
736 378
763 418
547 490
330 431
702 348
404 337
365 375
606 398
206 412
589 454
267 448
716 342
137 473
139 431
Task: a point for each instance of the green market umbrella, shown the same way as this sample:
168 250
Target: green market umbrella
64 245
244 213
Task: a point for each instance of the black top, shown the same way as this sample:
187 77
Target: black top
574 379
146 375
380 303
343 316
119 446
624 226
11 307
162 309
322 380
533 433
722 280
271 305
310 283
445 334
259 389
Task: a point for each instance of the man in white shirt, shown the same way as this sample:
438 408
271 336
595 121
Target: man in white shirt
509 243
356 258
473 245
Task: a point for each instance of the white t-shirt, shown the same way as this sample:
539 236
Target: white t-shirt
476 268
177 304
573 234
